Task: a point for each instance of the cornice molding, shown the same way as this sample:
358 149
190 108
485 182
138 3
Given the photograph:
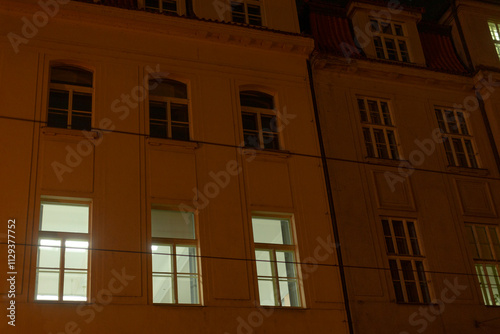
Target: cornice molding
388 72
142 21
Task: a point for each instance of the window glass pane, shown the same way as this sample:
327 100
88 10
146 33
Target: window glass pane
81 121
407 269
399 29
374 112
403 49
484 243
285 264
58 99
187 289
49 253
368 142
385 113
266 292
392 144
158 110
483 284
162 258
386 28
470 153
362 110
440 119
47 285
238 11
153 4
170 6
452 122
75 285
82 102
378 47
57 119
399 232
167 88
163 290
172 224
495 241
289 293
179 112
269 123
158 129
71 76
256 99
374 26
271 141
186 259
180 132
449 151
249 121
271 231
390 46
413 238
459 152
463 125
64 218
494 31
381 144
472 241
263 258
76 256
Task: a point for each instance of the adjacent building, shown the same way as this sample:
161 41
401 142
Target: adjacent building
161 166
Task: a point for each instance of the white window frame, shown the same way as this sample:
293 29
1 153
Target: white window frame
173 242
273 249
483 262
459 133
424 296
63 237
495 35
246 3
258 113
379 33
369 126
169 101
70 89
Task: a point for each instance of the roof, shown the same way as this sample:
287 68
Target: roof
333 34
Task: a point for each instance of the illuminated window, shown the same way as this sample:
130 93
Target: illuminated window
485 246
275 262
70 98
247 11
495 35
63 252
379 132
390 40
168 109
406 262
260 128
457 139
175 273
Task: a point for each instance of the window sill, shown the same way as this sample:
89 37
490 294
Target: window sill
177 305
468 171
172 143
266 153
92 134
381 161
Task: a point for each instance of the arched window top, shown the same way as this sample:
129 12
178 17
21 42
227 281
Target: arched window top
70 75
167 88
256 99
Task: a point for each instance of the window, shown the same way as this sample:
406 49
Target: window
260 128
405 261
168 109
390 40
63 252
457 140
176 278
70 98
275 262
168 6
379 132
495 35
247 11
485 246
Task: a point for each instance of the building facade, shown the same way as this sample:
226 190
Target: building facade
161 170
409 121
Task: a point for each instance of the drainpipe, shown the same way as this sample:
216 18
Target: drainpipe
479 97
330 201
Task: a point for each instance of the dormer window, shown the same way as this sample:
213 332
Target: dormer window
247 11
495 35
390 40
168 6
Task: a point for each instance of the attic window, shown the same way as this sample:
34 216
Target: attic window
390 40
495 35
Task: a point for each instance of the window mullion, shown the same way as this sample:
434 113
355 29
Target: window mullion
62 266
261 132
169 119
174 273
70 108
277 294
